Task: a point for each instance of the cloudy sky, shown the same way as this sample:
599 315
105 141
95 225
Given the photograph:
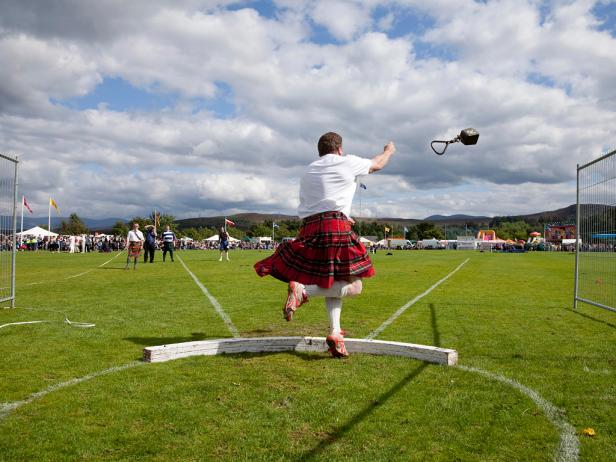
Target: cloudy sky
202 107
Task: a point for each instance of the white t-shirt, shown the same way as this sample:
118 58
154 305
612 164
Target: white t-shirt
329 184
135 236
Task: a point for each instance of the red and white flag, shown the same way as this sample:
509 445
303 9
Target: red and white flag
229 222
26 205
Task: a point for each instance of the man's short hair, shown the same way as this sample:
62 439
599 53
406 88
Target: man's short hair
329 143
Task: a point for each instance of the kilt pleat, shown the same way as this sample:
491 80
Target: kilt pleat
325 250
134 249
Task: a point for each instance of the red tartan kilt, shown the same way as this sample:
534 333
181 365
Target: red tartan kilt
134 249
325 250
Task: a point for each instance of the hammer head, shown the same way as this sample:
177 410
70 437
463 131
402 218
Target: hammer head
469 136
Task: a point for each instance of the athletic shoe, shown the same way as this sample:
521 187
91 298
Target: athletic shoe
296 297
335 342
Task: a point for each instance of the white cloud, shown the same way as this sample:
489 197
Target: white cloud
342 19
288 90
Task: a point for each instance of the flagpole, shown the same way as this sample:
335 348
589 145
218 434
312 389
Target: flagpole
49 215
360 188
21 233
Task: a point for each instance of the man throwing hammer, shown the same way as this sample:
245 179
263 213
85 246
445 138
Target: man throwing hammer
327 259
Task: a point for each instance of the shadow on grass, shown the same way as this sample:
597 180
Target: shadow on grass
154 341
360 416
436 336
609 324
249 333
382 399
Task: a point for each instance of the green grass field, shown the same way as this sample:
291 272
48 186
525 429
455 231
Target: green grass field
507 315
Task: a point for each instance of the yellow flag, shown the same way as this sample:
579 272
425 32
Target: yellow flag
387 229
53 204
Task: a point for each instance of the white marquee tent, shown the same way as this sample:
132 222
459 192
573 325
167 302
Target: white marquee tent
38 232
215 238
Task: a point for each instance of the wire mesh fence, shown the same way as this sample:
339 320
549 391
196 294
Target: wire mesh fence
8 199
595 280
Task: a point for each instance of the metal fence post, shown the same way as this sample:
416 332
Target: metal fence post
14 256
577 236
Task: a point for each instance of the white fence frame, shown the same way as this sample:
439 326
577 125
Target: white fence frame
598 193
13 216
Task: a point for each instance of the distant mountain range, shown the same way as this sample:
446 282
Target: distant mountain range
457 217
246 220
241 220
94 224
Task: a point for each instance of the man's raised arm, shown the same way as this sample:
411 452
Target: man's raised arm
380 160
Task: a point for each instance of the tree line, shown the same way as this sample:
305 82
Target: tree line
519 229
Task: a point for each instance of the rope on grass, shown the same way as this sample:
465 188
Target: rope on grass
20 323
83 325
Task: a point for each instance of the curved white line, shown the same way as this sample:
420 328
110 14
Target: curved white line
7 408
569 445
213 301
568 449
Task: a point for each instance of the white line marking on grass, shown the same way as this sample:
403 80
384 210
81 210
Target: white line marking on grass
7 408
111 259
90 270
74 275
407 305
80 274
213 301
569 446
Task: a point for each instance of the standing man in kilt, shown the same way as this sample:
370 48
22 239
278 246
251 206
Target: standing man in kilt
327 259
134 243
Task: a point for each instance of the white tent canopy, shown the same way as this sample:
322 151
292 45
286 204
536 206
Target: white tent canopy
38 232
264 238
215 238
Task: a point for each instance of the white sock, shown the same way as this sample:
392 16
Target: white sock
334 310
336 290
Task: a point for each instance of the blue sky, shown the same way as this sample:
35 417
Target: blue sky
117 94
215 107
